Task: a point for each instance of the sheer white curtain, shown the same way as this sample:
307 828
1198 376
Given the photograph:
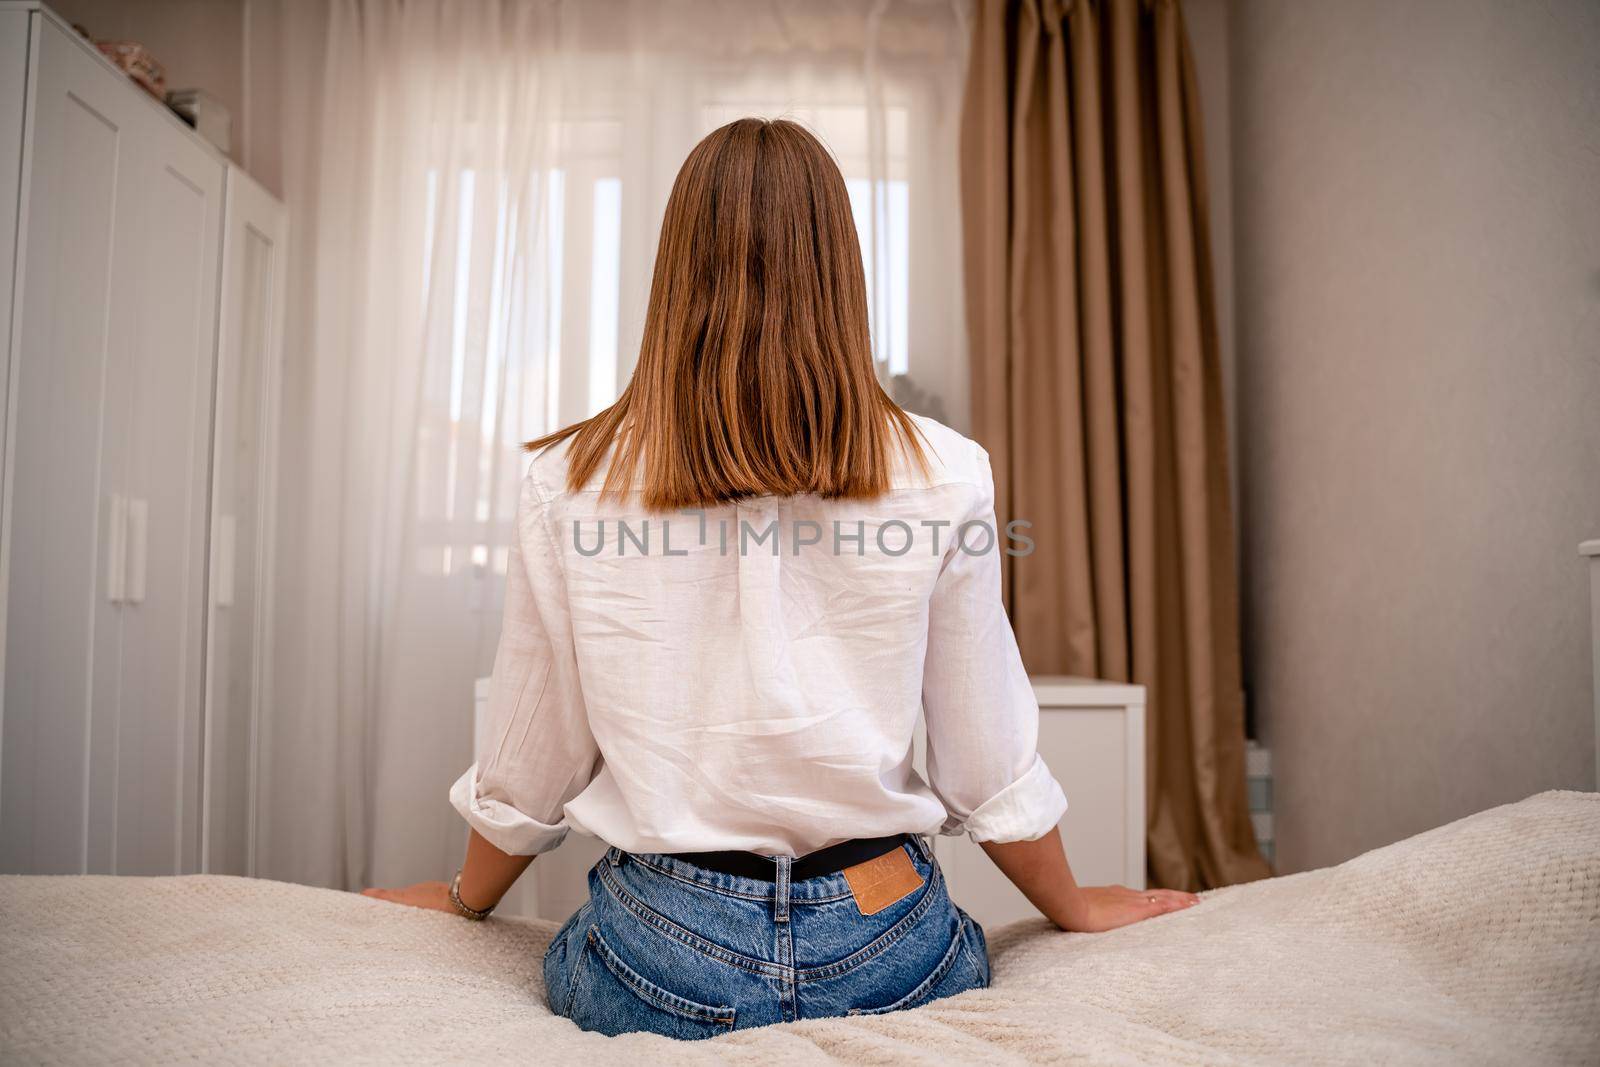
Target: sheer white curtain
476 188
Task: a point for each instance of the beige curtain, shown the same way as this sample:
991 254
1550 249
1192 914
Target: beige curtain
1096 388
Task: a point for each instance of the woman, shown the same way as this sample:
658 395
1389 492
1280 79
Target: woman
732 596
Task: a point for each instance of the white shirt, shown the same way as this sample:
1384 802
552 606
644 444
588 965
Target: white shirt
704 681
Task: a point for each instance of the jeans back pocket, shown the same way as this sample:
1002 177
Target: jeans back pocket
611 998
954 973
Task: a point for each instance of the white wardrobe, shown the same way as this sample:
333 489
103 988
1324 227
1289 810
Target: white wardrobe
141 288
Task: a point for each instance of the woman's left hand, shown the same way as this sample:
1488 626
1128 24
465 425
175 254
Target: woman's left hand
434 895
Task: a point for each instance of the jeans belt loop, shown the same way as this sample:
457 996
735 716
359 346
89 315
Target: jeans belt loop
780 893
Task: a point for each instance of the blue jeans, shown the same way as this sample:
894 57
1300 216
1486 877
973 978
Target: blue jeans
668 947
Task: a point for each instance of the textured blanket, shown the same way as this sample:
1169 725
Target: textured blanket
1478 942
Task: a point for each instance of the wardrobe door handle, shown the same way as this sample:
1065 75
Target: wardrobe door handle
117 549
138 543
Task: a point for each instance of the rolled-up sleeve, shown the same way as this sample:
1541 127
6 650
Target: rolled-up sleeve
981 714
538 752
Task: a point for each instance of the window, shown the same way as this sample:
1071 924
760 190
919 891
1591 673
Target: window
536 282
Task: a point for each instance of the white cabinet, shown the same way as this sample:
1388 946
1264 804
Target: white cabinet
1091 734
116 237
1590 550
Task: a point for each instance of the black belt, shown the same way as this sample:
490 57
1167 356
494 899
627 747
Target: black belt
830 860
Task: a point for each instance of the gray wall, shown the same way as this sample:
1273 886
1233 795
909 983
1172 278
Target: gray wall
1416 201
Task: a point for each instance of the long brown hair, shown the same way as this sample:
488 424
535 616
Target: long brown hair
755 376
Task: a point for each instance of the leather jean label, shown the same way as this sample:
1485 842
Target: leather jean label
880 882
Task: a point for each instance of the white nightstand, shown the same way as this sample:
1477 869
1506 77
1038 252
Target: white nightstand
1591 551
1092 735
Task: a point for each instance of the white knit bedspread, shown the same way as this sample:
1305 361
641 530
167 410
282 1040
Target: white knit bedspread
1478 942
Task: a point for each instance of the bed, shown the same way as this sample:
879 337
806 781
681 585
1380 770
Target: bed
1478 942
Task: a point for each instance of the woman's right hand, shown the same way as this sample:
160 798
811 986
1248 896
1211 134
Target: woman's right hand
1039 868
1097 908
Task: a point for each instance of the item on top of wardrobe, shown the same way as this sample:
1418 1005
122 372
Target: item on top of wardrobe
135 60
205 113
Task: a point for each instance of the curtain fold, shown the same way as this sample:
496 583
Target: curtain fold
1096 388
